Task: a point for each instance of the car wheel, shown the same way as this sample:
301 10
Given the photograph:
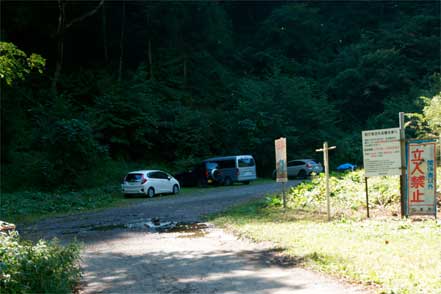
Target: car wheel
302 174
216 175
175 189
228 181
150 192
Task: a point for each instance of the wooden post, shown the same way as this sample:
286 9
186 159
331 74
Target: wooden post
281 168
326 163
284 196
403 164
367 196
326 160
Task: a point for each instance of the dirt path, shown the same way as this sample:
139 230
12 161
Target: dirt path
181 208
213 262
127 249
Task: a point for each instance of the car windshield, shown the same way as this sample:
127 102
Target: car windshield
312 162
133 177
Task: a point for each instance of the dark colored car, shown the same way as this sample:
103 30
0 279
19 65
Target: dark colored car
194 176
220 171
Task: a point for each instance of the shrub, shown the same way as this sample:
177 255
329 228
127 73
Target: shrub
72 150
347 192
45 267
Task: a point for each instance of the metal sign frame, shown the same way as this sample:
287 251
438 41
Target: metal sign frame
408 173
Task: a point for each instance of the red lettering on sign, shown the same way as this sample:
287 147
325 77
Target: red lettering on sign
416 196
417 182
417 161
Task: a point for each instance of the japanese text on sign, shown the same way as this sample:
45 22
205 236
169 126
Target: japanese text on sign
281 168
382 152
421 178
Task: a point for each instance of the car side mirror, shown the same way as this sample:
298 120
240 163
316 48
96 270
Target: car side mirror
169 178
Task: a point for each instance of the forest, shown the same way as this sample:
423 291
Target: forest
90 89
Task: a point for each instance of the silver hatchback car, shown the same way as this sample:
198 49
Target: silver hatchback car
302 168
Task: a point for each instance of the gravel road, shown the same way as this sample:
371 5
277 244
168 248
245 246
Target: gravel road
127 249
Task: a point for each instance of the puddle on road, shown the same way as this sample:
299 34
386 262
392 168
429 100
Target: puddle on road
155 225
194 230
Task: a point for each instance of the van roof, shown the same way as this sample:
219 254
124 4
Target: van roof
227 157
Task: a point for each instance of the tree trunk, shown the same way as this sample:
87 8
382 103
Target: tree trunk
150 59
104 31
149 44
121 41
60 45
185 71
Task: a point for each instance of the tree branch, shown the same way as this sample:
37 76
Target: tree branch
85 15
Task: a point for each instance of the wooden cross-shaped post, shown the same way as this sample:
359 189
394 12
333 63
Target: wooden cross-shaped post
325 150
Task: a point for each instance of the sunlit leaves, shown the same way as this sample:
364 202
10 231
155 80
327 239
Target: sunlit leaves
16 65
432 113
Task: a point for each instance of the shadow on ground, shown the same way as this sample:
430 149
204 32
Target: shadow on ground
187 272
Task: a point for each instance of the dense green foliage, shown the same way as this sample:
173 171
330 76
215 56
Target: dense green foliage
45 267
173 82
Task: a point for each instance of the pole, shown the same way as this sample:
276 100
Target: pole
439 143
367 196
284 196
326 162
403 164
438 163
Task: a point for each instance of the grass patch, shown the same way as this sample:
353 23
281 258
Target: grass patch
400 256
394 255
23 207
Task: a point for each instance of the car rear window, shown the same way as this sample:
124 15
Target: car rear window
246 162
220 164
211 165
133 177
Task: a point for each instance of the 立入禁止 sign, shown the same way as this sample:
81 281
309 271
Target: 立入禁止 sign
421 177
382 152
